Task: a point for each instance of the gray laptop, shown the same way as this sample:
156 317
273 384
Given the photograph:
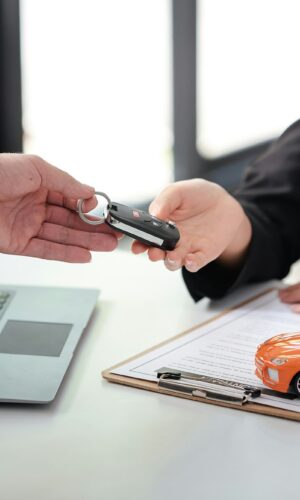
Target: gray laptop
39 330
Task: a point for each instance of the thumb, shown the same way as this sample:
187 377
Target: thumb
54 179
166 202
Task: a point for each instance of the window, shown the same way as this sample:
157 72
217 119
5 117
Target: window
248 72
96 91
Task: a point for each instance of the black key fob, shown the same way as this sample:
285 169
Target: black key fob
142 226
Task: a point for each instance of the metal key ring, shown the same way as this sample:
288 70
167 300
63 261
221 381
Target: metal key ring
82 215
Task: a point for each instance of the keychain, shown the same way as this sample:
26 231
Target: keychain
135 223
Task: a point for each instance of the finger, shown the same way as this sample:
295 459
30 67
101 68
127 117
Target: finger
155 254
172 265
166 202
290 287
296 308
193 262
55 198
290 294
66 236
137 247
287 290
68 218
54 179
43 249
174 259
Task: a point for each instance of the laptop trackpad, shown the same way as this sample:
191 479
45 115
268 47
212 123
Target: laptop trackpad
34 338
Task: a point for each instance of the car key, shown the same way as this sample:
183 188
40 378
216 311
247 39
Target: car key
135 223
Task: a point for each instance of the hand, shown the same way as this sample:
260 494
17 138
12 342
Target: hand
37 212
291 296
212 225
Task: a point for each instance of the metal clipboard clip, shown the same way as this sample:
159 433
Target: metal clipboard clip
202 386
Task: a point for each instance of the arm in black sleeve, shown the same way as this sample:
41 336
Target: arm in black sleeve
270 196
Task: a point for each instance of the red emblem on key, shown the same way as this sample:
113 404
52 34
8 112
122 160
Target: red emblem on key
135 213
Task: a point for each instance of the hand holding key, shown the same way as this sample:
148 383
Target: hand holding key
212 225
38 216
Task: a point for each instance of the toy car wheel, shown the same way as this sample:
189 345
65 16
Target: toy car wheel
296 384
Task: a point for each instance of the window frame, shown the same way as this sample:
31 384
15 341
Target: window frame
10 78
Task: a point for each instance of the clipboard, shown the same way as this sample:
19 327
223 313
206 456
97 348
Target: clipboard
198 388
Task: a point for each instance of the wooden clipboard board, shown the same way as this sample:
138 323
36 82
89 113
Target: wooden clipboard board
153 385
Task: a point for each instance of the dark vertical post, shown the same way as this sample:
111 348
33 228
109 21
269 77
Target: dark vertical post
10 77
184 89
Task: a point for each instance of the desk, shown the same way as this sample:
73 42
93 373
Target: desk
103 441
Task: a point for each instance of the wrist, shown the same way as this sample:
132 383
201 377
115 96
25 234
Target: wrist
235 253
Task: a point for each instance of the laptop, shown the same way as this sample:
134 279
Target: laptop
39 330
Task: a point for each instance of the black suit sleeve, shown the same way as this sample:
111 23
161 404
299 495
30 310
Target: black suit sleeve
270 195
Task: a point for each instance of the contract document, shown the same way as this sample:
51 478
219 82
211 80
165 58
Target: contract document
224 348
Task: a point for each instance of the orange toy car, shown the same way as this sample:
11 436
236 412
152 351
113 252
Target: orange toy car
278 362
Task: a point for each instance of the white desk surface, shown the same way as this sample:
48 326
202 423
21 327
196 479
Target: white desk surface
103 441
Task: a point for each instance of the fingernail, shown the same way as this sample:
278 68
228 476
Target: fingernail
172 263
190 265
